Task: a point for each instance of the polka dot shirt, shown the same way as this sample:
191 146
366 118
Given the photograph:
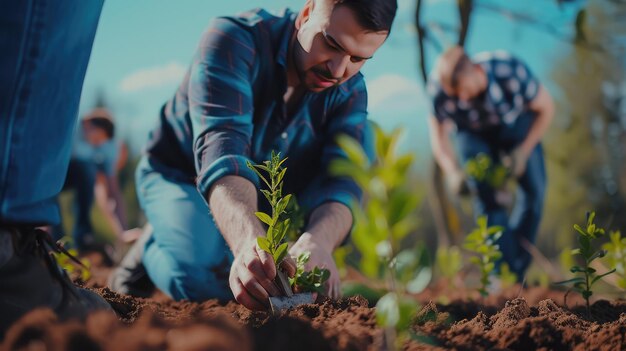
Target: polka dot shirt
511 87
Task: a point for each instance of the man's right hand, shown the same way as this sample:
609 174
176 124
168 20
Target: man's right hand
252 276
457 182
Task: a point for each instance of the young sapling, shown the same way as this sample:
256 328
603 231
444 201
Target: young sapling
482 242
586 275
279 222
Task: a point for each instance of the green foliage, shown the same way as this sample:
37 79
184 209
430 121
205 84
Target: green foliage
395 311
483 169
308 281
448 262
273 243
413 268
385 219
585 275
387 216
616 256
507 277
284 224
482 242
296 216
73 269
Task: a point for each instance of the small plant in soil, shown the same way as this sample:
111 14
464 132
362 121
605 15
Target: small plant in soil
448 263
381 224
483 169
482 242
75 269
616 256
279 226
311 281
586 275
273 242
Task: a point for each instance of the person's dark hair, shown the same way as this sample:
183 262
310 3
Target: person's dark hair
104 123
373 15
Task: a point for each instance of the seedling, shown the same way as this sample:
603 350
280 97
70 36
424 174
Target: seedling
74 267
279 226
273 242
483 169
309 281
616 256
381 224
482 242
586 276
448 262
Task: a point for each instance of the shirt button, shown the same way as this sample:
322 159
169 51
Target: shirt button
284 135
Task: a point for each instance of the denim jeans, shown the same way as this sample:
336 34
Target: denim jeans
186 257
44 49
524 219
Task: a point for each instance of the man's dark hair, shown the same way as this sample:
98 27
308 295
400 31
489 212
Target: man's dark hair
104 123
373 15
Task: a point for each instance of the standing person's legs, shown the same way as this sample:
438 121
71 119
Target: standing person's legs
471 145
186 257
45 48
526 214
81 177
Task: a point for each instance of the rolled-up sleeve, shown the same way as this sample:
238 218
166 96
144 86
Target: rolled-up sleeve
221 104
350 118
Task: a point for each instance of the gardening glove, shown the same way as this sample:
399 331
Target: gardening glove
516 162
252 276
320 257
457 182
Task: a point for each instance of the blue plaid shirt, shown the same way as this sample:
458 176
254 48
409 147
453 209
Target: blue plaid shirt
229 109
510 88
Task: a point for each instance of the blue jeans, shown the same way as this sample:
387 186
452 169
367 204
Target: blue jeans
523 222
44 50
186 257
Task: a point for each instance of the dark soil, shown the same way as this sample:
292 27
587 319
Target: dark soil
348 324
451 318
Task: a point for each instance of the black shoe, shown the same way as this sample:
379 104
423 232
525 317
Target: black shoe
31 278
131 277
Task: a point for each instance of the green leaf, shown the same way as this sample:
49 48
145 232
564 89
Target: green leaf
598 254
354 150
264 244
388 311
264 217
576 269
573 280
602 276
281 252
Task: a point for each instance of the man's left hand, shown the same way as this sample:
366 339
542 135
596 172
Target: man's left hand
519 160
321 256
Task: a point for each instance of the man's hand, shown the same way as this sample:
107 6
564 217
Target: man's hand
252 276
457 182
321 257
517 161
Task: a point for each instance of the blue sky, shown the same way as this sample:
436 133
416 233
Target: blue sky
143 47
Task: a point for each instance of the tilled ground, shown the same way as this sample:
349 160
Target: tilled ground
529 322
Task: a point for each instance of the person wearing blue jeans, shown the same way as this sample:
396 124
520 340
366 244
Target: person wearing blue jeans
259 82
94 154
499 110
45 48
